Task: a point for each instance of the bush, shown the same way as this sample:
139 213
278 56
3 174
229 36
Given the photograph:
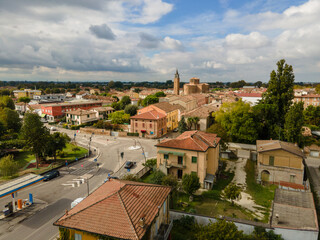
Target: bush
75 127
190 183
131 177
75 149
8 167
62 154
157 177
10 144
133 134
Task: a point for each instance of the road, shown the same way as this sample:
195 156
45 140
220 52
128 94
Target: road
56 197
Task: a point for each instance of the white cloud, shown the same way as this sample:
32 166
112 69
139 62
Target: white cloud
252 40
171 43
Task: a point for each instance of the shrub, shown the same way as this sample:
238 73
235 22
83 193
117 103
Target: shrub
8 166
157 177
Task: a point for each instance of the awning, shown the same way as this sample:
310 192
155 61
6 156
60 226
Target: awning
143 131
209 178
171 152
19 183
43 115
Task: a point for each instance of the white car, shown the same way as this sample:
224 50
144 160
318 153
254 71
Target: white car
53 129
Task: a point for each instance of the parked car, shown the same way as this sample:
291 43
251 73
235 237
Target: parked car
128 165
53 129
50 175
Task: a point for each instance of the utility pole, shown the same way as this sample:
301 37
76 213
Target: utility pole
145 159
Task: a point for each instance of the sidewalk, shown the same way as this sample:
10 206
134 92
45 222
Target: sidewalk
6 224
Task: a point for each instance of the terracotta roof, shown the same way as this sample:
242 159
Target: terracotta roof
192 140
165 106
271 145
102 109
308 96
202 112
249 94
151 115
115 209
80 112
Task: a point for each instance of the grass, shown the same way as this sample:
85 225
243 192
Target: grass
71 155
147 178
23 158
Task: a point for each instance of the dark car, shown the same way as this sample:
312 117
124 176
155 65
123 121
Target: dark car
50 175
128 165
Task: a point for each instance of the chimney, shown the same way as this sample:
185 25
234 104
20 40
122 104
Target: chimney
142 221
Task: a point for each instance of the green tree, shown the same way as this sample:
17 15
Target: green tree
238 120
318 88
280 90
160 94
8 166
137 90
119 117
151 99
293 123
220 230
260 233
131 177
221 132
6 102
238 84
35 134
190 183
157 177
116 106
267 122
312 115
125 101
171 181
182 126
10 119
131 109
56 142
151 163
232 192
25 100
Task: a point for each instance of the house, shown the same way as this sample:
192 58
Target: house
70 94
150 124
26 93
120 210
204 113
81 94
308 99
281 163
20 107
55 111
251 98
94 91
103 112
50 98
192 152
81 116
294 215
313 151
170 111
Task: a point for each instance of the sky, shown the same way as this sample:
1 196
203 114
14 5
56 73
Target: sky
147 40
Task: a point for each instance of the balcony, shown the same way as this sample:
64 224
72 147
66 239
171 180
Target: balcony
164 231
176 165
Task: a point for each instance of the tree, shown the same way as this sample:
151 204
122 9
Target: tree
171 181
119 117
151 163
125 101
131 177
318 88
157 177
312 115
111 84
220 230
260 233
151 99
10 119
8 167
238 84
131 109
6 102
280 90
160 94
182 126
293 123
35 134
116 106
258 84
232 192
266 119
190 183
221 132
137 90
56 142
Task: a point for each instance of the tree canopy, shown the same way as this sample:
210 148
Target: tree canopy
131 109
119 117
6 102
190 183
293 123
151 99
10 119
182 125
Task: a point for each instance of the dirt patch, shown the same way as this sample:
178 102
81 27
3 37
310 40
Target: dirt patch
34 165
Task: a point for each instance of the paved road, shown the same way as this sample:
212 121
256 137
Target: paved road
58 197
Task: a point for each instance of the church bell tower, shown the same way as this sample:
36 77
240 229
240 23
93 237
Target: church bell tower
176 85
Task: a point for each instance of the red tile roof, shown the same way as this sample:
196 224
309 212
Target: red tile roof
308 96
115 209
151 115
192 140
249 94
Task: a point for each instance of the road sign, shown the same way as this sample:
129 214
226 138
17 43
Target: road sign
109 174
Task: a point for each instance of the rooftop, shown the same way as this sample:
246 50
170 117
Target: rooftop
115 209
165 106
70 103
151 115
295 209
202 112
192 140
271 145
81 112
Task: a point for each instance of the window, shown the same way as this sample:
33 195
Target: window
77 236
271 160
136 124
194 160
150 125
143 125
88 116
164 207
166 156
292 177
180 160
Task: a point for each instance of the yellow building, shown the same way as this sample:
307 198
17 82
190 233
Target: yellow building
26 93
171 112
281 163
120 210
192 152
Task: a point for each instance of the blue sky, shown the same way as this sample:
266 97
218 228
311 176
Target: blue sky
146 40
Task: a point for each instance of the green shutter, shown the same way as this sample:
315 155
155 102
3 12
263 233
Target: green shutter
271 160
194 159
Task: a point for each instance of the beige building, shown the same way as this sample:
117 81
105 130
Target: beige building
26 93
281 163
192 152
308 99
176 84
81 116
103 112
194 86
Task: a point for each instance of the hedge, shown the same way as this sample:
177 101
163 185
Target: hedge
133 134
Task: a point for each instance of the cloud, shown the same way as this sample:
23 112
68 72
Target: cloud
148 41
102 31
170 43
252 40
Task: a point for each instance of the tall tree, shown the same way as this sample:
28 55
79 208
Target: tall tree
190 183
182 126
10 119
232 192
280 90
293 123
35 134
56 142
6 102
221 132
131 109
151 99
125 101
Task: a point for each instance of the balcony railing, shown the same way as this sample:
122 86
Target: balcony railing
164 231
174 164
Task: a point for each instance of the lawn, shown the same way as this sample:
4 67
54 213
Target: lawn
23 158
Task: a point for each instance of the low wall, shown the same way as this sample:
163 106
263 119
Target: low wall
95 131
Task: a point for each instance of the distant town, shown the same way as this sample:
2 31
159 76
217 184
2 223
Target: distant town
160 160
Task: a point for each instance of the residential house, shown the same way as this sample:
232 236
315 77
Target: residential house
193 152
26 93
94 91
55 111
281 163
252 98
70 94
150 124
49 98
312 151
309 100
81 94
204 113
103 112
170 111
120 210
81 116
20 107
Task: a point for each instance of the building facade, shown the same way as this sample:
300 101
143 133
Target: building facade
176 84
280 163
26 93
150 124
80 116
194 86
193 152
308 99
